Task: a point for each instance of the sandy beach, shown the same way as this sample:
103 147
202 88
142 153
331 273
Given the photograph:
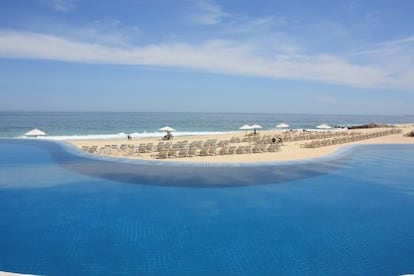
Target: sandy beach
288 150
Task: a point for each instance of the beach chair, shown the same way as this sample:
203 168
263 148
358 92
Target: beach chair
232 150
114 148
92 149
224 150
104 150
248 149
220 144
184 145
162 155
183 153
172 153
193 152
142 148
150 147
207 144
204 151
273 148
160 146
240 150
246 140
212 151
256 149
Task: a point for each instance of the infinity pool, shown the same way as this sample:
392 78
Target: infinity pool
66 213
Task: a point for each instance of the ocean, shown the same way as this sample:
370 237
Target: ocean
93 125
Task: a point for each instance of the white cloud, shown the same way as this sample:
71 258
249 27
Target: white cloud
217 56
207 12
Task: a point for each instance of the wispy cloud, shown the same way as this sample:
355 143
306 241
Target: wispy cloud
217 56
261 24
207 12
396 57
397 48
60 5
105 31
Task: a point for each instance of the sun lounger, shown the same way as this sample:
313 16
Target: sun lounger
183 153
162 155
172 153
204 151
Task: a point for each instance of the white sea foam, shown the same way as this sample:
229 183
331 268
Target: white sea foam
123 135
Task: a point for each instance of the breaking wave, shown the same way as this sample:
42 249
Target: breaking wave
123 135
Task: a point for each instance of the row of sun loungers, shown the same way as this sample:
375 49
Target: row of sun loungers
348 139
182 149
300 136
212 151
125 150
292 136
236 145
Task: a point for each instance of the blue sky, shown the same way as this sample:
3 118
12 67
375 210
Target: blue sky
349 57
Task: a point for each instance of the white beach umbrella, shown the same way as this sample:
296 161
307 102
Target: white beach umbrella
35 132
324 126
167 129
256 126
245 127
282 125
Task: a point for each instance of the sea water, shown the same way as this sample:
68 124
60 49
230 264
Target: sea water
92 125
350 214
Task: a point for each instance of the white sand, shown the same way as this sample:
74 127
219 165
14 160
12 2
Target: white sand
289 151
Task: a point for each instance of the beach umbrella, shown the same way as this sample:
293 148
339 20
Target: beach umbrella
324 126
35 132
245 127
167 129
282 125
256 126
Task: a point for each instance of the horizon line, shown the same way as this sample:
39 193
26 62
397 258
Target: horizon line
200 112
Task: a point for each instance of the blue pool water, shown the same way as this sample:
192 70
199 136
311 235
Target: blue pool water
63 213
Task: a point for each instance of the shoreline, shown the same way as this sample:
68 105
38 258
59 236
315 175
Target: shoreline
289 151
